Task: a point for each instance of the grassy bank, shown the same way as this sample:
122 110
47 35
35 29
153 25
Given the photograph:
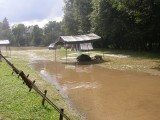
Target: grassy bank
16 103
145 62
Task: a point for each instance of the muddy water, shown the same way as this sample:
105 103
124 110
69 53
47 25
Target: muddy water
102 94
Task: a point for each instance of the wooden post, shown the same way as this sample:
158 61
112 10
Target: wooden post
19 74
55 59
45 92
61 116
31 86
66 55
9 50
27 75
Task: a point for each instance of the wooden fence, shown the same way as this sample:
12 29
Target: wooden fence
31 86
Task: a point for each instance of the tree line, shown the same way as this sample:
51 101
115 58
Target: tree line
122 24
21 35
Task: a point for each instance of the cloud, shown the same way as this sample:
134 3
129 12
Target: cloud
40 23
31 11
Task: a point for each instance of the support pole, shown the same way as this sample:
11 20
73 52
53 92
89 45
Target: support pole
31 86
66 54
6 51
27 75
55 52
88 49
61 116
9 50
45 92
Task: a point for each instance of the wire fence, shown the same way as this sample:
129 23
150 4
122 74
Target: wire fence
31 86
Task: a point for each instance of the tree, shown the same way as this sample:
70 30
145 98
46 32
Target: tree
1 36
52 31
76 17
19 34
5 24
5 31
37 36
70 19
131 24
83 9
102 19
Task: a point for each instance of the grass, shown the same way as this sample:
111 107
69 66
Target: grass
145 62
16 103
140 54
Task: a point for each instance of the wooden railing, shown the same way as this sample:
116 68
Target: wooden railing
31 86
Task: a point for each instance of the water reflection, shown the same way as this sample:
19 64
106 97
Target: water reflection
102 94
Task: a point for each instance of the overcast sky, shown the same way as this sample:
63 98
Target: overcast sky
31 12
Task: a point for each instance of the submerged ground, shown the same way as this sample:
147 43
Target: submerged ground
131 93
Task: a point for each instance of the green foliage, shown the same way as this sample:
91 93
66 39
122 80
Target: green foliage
70 18
5 24
19 34
76 17
37 36
25 36
83 9
128 24
52 31
5 32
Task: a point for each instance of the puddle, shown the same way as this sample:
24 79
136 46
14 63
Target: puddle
102 94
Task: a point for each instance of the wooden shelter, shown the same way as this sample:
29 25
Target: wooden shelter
6 44
82 40
87 38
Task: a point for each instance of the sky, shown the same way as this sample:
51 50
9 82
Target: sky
31 12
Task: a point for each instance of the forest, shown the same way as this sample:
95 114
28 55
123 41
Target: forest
122 24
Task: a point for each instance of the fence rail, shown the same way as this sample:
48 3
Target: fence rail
31 86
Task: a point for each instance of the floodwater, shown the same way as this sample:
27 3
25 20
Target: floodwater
102 94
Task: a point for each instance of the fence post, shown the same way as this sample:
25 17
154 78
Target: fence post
27 75
45 92
31 86
61 116
19 73
12 72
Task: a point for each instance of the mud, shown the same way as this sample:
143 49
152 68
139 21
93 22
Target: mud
103 94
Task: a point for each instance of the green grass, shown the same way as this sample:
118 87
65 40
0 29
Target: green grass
140 54
16 103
